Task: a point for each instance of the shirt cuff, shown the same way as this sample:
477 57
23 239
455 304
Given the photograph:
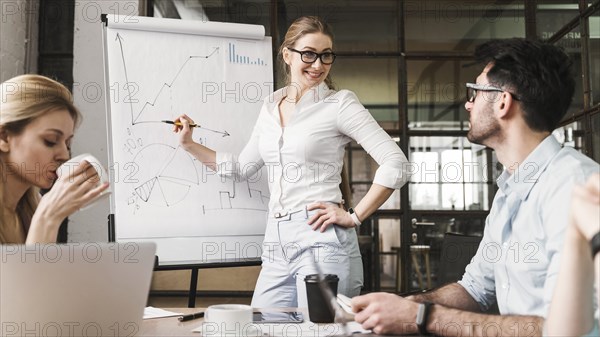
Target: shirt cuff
470 288
390 177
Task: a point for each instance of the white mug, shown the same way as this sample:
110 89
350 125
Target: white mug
69 167
228 319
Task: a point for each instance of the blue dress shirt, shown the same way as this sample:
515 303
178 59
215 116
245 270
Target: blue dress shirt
517 261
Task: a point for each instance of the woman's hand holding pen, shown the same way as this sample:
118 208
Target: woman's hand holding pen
184 130
329 214
183 125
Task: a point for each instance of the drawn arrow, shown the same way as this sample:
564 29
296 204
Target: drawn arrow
120 39
224 133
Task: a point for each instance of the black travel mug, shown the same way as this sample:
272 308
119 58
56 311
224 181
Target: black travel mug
318 308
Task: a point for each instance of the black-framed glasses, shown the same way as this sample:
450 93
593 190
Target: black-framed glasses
308 56
473 88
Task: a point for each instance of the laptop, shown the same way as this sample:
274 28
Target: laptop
77 289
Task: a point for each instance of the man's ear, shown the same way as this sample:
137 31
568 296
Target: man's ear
4 144
505 105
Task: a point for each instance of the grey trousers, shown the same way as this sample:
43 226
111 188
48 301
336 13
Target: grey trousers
286 260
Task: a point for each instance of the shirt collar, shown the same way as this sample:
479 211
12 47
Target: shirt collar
522 180
313 95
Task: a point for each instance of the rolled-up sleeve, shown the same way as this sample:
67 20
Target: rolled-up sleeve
355 121
478 279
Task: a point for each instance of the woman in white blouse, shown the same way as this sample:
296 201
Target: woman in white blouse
300 135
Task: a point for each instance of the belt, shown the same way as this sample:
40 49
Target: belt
289 212
284 213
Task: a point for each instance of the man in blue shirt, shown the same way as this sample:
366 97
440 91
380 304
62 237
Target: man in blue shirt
520 96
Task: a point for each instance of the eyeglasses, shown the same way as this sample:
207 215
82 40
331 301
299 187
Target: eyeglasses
472 89
308 56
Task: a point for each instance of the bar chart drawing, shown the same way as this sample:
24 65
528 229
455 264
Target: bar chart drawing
243 59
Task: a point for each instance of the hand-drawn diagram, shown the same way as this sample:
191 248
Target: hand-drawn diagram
168 184
166 192
228 200
234 57
140 118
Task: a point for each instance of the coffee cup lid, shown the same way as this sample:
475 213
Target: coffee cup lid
327 277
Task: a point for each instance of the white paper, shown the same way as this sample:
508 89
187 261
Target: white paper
152 312
346 303
160 192
207 28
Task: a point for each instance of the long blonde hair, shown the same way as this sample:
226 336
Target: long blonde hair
25 98
300 27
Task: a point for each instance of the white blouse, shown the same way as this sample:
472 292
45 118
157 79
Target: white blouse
304 159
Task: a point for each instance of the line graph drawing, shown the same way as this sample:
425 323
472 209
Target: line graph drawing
228 199
137 118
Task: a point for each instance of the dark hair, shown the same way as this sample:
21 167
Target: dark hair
538 73
300 27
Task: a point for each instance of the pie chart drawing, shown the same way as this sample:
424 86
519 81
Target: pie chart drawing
165 174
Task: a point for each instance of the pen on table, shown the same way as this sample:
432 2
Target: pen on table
191 316
192 125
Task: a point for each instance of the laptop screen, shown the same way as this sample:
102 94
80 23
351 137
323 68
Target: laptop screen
78 289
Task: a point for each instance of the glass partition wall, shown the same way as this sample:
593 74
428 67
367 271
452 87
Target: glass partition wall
408 62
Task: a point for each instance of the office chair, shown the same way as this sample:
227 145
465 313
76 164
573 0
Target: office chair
457 252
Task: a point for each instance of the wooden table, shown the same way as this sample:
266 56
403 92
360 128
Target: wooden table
170 326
